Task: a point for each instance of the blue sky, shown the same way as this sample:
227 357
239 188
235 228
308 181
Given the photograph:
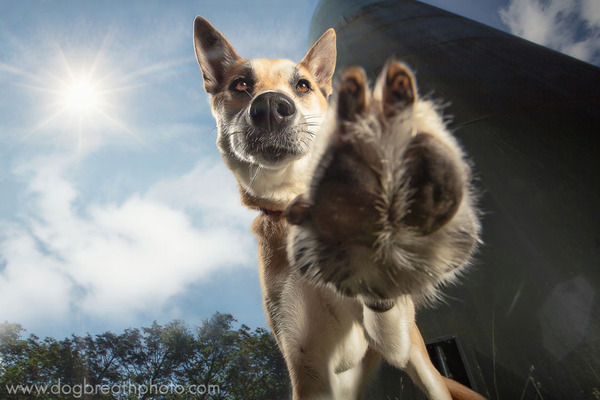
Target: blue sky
115 208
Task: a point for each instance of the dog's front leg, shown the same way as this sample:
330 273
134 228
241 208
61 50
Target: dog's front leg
322 342
395 334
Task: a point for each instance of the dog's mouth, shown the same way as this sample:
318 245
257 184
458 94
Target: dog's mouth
271 148
276 155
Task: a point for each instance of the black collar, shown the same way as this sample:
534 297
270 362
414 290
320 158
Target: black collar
271 213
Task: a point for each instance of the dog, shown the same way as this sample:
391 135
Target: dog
331 323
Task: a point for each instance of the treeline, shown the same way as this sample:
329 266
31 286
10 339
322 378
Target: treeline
212 361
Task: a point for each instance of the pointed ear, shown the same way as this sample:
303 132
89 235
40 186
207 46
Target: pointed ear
214 54
320 60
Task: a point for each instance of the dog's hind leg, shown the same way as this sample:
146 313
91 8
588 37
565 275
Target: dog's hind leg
423 373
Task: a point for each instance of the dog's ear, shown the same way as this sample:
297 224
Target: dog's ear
320 60
214 54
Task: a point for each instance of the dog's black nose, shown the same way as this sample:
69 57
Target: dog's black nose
272 111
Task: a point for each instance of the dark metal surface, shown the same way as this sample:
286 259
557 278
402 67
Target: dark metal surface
528 312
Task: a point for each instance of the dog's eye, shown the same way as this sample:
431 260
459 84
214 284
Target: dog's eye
239 85
303 86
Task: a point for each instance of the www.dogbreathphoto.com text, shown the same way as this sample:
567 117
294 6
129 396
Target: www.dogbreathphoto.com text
125 390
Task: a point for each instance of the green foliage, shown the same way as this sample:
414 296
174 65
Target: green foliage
170 362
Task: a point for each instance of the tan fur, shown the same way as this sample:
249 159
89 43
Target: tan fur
322 335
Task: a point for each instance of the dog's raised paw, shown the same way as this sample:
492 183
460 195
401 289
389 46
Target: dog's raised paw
399 90
389 209
435 182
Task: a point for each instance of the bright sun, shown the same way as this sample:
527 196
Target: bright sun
81 97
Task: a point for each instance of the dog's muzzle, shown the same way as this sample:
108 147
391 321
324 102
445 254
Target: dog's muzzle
273 136
272 111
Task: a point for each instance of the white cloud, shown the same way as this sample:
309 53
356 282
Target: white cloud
113 261
208 187
32 285
571 27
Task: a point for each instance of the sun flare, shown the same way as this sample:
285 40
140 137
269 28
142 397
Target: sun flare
81 102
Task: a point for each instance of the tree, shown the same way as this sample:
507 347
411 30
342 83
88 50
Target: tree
217 360
212 356
259 369
102 358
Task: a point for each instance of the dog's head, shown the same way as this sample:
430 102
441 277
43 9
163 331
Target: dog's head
267 111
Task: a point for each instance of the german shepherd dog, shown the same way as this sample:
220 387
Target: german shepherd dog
363 212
